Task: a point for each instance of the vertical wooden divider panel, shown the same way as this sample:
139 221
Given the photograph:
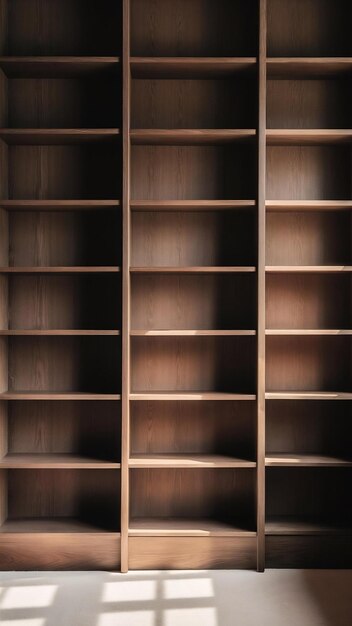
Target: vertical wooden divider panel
261 287
126 236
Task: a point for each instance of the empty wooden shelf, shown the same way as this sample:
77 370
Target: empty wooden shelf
175 284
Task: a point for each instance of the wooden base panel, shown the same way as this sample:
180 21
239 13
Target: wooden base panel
60 551
192 553
309 552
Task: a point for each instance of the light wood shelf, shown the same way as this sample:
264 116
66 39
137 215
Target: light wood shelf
309 269
189 67
60 270
192 333
309 67
191 396
54 461
53 395
188 460
298 526
311 137
308 205
184 137
308 395
57 525
190 527
59 205
59 333
191 205
194 270
306 460
306 332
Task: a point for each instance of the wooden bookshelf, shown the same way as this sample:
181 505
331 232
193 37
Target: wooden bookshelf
175 279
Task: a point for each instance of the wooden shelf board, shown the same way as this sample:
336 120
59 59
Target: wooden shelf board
308 205
309 269
307 395
60 270
307 332
311 137
54 461
189 67
59 205
56 66
305 460
191 205
56 136
187 461
54 395
308 67
300 526
210 269
59 333
193 527
44 525
190 395
180 137
192 333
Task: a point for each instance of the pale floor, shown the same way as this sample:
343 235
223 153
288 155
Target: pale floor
216 598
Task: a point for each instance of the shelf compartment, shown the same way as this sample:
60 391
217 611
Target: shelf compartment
191 67
204 301
191 205
308 500
308 433
187 527
308 364
309 67
222 500
60 434
150 461
53 525
60 364
57 28
58 66
209 429
43 500
200 31
319 28
193 364
308 238
186 137
308 205
221 172
181 106
305 137
309 172
40 110
87 171
193 239
305 104
61 238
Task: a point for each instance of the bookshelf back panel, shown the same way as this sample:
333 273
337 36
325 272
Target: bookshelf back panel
298 427
308 301
193 28
89 364
314 238
193 103
64 238
225 364
308 173
308 363
63 172
62 103
213 493
317 493
173 239
311 28
90 495
224 428
91 429
61 27
309 103
210 302
193 173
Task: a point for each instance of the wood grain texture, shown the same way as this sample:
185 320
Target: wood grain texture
190 67
51 136
186 527
309 552
190 104
192 553
193 364
181 137
194 239
192 172
60 551
308 67
193 427
192 28
38 28
58 66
